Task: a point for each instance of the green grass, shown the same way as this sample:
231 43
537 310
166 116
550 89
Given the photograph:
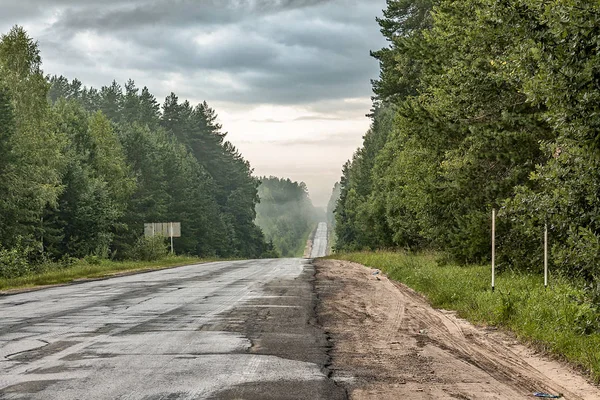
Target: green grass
85 270
558 321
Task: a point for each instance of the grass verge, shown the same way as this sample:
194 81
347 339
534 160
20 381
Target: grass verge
560 321
100 269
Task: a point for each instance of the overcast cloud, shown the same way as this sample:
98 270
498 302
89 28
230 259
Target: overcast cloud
290 79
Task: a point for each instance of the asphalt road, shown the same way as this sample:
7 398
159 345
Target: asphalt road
319 244
229 330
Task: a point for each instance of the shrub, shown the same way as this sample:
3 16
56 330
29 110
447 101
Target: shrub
149 249
92 259
14 262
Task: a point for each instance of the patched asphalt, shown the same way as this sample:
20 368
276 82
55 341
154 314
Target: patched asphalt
230 330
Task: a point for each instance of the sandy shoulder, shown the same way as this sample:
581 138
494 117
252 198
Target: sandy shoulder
388 343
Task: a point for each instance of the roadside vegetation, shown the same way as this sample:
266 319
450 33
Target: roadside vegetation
482 104
562 320
330 213
149 254
82 169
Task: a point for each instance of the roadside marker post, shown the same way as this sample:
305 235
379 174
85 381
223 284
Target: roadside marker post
171 235
493 249
546 256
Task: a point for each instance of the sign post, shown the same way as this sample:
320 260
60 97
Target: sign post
171 234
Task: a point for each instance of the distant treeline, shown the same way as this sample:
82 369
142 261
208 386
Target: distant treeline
482 104
286 214
82 169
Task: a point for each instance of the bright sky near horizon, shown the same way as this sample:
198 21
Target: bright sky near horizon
290 79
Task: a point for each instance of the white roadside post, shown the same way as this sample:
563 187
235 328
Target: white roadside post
171 235
546 256
493 249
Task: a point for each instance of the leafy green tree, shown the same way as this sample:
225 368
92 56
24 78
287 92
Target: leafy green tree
357 226
235 189
97 186
558 64
61 88
32 178
7 131
495 106
81 169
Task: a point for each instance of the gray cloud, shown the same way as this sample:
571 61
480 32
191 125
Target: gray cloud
235 54
265 51
127 15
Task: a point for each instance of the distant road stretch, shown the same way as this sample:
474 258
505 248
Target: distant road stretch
319 245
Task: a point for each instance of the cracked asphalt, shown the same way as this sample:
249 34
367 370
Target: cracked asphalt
227 330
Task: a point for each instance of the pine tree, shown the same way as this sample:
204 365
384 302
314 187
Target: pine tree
131 103
111 101
149 111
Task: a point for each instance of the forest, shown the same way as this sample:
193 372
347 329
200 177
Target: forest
482 105
82 169
286 215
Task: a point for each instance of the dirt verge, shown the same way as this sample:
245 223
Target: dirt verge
389 343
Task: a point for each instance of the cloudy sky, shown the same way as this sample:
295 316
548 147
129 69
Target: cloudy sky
290 79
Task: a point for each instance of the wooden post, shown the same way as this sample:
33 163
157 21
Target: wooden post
546 256
493 249
171 234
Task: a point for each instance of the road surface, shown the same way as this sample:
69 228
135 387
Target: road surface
262 329
224 330
319 243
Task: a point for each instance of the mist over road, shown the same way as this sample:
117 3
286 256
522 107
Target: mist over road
221 330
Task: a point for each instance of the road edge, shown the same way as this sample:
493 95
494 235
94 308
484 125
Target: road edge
318 302
78 281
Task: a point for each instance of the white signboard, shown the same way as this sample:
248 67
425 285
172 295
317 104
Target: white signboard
166 229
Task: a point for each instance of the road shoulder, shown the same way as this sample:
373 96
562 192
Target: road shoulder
389 343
